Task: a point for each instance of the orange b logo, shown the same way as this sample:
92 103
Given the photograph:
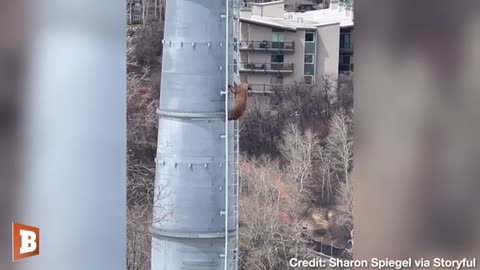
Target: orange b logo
25 241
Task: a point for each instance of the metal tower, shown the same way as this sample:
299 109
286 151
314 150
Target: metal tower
195 210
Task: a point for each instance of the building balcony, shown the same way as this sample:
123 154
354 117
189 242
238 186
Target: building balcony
266 67
345 67
267 46
346 50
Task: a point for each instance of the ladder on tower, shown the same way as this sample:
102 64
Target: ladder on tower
236 190
232 187
237 4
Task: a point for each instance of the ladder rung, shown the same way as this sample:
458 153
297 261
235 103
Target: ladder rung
231 136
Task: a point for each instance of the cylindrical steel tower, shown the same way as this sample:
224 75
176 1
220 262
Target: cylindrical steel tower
195 157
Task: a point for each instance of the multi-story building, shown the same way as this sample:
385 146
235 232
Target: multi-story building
297 5
139 11
339 11
346 49
305 5
278 47
134 11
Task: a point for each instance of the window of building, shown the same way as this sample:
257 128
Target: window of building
277 62
277 58
278 35
345 59
278 39
309 37
309 58
345 41
308 69
137 6
136 17
308 79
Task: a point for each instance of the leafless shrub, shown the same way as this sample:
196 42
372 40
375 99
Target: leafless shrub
299 103
275 196
260 130
339 144
147 42
344 206
138 238
307 106
298 149
142 125
155 85
345 92
344 199
142 101
333 159
262 125
269 231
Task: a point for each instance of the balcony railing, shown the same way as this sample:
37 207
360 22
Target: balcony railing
263 88
265 67
267 46
346 49
345 67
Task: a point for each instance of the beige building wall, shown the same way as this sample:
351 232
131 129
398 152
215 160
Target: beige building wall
252 32
328 46
297 58
326 59
270 9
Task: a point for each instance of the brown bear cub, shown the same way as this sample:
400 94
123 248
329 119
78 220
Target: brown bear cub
240 92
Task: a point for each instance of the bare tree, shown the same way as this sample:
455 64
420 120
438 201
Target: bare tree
278 195
269 232
340 145
298 149
146 42
344 93
142 195
307 106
